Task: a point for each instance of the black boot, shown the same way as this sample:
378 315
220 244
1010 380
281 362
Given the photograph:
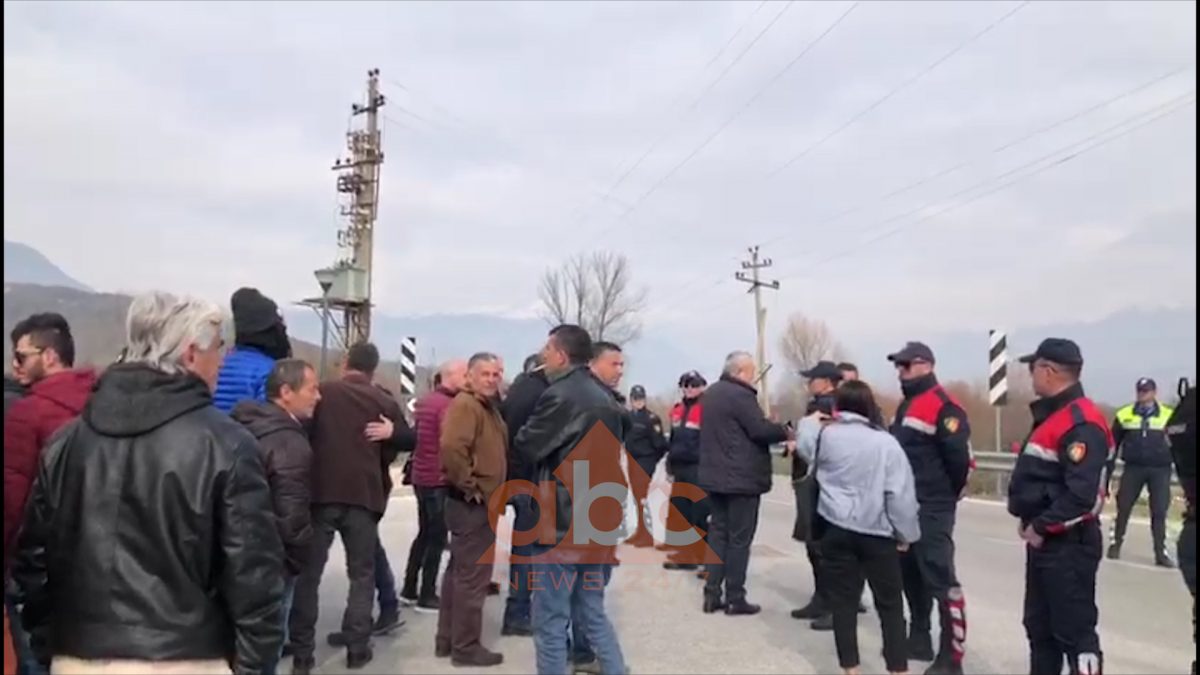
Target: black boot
303 665
359 658
920 646
1114 551
1163 559
388 621
713 604
823 623
944 665
741 608
813 610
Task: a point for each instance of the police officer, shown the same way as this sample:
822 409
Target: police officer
823 379
646 445
683 464
933 430
1181 433
1140 433
1057 491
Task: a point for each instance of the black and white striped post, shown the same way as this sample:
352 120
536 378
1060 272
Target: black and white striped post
998 377
408 371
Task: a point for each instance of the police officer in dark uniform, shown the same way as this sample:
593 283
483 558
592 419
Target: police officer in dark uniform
683 464
646 445
933 430
1181 432
1057 490
823 379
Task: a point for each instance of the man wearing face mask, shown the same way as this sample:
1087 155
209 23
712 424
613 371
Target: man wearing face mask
932 428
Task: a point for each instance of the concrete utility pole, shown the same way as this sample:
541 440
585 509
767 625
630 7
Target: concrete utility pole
760 315
359 178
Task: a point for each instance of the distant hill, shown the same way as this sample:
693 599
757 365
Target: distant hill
24 264
98 325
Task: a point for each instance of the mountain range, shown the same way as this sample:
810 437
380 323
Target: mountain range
1158 342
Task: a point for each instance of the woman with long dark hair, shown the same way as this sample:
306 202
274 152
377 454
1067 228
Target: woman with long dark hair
866 513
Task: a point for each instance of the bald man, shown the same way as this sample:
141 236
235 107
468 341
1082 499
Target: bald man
429 483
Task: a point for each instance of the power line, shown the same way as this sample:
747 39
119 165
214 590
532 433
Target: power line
670 128
731 119
1007 145
901 87
1158 113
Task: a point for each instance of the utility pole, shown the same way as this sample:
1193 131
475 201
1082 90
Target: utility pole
760 315
358 177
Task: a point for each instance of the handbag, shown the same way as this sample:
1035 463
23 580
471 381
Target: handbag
808 493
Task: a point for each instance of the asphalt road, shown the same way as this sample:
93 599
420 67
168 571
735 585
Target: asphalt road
1145 611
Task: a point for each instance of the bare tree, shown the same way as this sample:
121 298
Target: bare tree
594 291
806 341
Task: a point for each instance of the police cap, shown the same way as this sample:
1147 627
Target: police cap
1056 350
827 370
692 378
913 351
637 393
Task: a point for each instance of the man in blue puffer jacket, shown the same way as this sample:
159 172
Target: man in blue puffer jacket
260 340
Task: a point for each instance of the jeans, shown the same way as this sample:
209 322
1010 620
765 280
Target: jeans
27 663
848 558
516 608
425 556
558 590
359 530
385 581
289 593
581 646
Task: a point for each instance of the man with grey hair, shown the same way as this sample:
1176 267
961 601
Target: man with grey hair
735 469
114 579
473 444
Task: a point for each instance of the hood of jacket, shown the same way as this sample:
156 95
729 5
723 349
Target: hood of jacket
133 399
263 419
69 389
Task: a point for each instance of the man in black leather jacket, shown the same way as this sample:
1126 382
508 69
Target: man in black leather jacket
150 533
576 421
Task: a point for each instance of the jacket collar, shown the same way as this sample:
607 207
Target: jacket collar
734 380
918 386
569 372
356 377
1043 408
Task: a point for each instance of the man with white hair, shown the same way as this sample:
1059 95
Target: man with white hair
116 579
735 469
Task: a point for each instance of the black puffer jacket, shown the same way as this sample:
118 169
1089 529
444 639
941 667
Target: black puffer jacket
735 440
150 533
574 405
287 458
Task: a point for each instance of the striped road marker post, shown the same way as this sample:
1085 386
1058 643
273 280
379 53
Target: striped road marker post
408 371
998 377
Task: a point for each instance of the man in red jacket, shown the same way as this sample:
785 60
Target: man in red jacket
429 483
43 361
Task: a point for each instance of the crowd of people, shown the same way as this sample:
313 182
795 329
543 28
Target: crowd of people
175 513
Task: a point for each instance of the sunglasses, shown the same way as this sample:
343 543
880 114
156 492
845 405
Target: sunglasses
19 358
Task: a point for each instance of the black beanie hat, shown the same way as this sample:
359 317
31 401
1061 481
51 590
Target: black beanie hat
253 312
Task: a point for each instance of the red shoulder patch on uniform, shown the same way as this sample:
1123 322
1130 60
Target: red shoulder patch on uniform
1076 452
951 424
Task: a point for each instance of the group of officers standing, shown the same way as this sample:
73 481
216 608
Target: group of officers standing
1057 492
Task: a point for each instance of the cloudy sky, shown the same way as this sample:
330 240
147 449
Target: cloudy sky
188 146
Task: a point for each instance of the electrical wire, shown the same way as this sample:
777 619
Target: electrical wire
901 87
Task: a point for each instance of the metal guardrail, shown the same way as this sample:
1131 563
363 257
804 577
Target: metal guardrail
1002 463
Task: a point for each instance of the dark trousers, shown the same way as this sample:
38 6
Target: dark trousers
465 583
848 558
731 531
425 555
359 530
1187 565
517 606
691 513
1060 602
641 473
385 581
1133 479
814 558
928 571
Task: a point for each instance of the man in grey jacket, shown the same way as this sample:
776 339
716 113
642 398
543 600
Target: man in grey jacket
866 514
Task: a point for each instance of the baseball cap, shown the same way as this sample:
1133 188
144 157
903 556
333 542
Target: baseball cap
637 392
913 351
823 370
1056 350
1147 384
692 378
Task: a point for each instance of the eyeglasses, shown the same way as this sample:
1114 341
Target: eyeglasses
19 358
905 365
